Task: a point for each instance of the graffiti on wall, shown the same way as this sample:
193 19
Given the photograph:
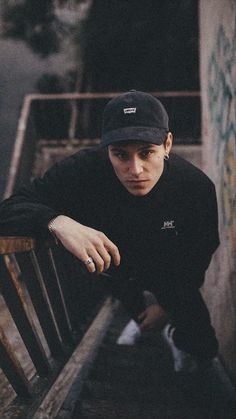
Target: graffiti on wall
222 107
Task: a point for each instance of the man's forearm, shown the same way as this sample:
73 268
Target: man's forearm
20 217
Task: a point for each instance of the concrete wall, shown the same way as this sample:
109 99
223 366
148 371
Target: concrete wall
218 86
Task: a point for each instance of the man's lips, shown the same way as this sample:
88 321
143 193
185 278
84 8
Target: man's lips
136 181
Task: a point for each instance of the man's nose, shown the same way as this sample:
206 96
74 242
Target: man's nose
135 167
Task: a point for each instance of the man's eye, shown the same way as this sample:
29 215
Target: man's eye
121 156
146 153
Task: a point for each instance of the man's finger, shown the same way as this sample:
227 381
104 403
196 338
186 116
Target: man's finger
105 256
113 250
89 264
98 260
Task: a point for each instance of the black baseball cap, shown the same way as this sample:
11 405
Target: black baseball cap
134 116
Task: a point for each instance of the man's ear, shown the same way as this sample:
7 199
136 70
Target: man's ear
168 142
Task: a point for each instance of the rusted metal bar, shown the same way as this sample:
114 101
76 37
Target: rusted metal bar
108 95
20 136
49 277
14 299
65 267
57 278
12 368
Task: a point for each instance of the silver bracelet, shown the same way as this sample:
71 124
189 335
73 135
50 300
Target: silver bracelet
50 228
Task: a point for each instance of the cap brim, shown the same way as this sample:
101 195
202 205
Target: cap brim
145 134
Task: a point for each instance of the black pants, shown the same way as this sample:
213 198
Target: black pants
189 316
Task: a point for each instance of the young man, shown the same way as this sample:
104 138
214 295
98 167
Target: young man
131 208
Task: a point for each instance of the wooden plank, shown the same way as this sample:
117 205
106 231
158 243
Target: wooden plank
78 364
16 244
14 299
12 368
39 299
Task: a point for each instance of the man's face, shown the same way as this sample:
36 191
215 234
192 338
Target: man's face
138 166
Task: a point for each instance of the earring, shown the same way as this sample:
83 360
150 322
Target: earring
166 156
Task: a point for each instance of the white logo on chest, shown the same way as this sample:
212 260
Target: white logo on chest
168 224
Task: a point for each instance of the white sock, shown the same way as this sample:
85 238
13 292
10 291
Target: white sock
130 334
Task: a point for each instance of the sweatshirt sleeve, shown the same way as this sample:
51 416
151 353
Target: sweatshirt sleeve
28 211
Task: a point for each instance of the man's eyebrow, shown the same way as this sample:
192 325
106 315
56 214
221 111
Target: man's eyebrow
117 148
123 148
145 147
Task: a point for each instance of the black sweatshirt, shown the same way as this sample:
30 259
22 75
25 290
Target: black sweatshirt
166 238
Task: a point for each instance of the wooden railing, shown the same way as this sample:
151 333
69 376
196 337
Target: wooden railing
34 279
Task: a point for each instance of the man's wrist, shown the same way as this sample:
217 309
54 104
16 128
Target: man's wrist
51 228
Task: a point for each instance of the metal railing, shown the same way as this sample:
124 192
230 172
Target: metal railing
76 117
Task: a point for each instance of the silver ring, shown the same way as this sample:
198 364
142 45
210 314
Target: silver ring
88 261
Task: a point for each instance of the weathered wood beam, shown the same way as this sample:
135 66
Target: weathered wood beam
15 300
76 368
12 368
16 244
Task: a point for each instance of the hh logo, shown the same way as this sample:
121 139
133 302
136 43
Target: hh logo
168 224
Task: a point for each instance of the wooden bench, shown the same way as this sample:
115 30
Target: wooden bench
60 327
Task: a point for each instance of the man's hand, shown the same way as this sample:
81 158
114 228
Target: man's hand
153 316
86 244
